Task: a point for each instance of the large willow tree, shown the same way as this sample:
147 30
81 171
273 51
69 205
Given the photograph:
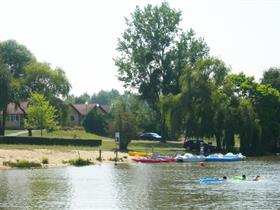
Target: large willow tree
194 108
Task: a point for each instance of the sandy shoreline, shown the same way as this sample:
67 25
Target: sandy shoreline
56 158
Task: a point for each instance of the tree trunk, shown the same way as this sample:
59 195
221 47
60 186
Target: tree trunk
29 132
3 124
1 130
218 141
163 132
41 132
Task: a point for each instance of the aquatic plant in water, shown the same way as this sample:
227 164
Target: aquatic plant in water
22 164
79 162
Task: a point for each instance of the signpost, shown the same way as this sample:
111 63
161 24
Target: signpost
117 137
117 140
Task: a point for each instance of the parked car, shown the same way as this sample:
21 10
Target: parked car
196 144
150 136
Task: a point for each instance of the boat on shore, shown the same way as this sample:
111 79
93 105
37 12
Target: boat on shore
226 157
157 160
188 157
138 154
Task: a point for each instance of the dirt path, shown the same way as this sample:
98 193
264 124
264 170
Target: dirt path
17 133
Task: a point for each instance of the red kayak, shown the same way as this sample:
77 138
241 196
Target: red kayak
161 160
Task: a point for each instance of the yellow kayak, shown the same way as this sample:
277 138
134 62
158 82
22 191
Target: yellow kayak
140 154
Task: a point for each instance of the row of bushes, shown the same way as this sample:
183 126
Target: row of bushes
31 164
49 141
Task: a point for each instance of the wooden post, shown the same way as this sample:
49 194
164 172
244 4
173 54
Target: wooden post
116 159
100 157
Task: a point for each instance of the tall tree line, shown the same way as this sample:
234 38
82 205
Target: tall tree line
192 93
102 97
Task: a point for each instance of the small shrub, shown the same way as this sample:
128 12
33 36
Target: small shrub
125 157
64 161
80 162
115 159
79 128
22 164
75 136
99 159
45 160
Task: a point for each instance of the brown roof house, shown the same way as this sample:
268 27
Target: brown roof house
79 111
15 115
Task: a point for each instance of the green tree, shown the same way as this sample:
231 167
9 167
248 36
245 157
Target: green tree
258 109
105 97
40 114
272 77
95 122
29 76
249 128
123 121
267 106
41 78
82 99
153 52
192 110
52 83
5 92
15 57
146 120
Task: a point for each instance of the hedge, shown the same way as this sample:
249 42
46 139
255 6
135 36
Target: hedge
49 141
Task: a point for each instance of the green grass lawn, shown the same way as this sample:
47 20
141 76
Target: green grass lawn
49 147
149 146
108 144
12 131
77 134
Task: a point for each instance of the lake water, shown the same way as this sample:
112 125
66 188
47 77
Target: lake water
143 186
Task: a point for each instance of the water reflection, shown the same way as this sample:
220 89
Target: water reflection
143 186
34 189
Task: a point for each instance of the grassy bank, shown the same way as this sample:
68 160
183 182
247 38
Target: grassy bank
108 144
76 134
7 132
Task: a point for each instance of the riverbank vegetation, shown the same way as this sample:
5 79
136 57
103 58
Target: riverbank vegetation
22 164
80 162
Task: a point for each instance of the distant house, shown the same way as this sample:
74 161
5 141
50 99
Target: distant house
15 113
79 111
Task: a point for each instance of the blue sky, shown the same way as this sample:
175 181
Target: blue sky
81 35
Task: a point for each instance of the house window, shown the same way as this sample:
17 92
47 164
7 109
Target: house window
72 118
13 117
